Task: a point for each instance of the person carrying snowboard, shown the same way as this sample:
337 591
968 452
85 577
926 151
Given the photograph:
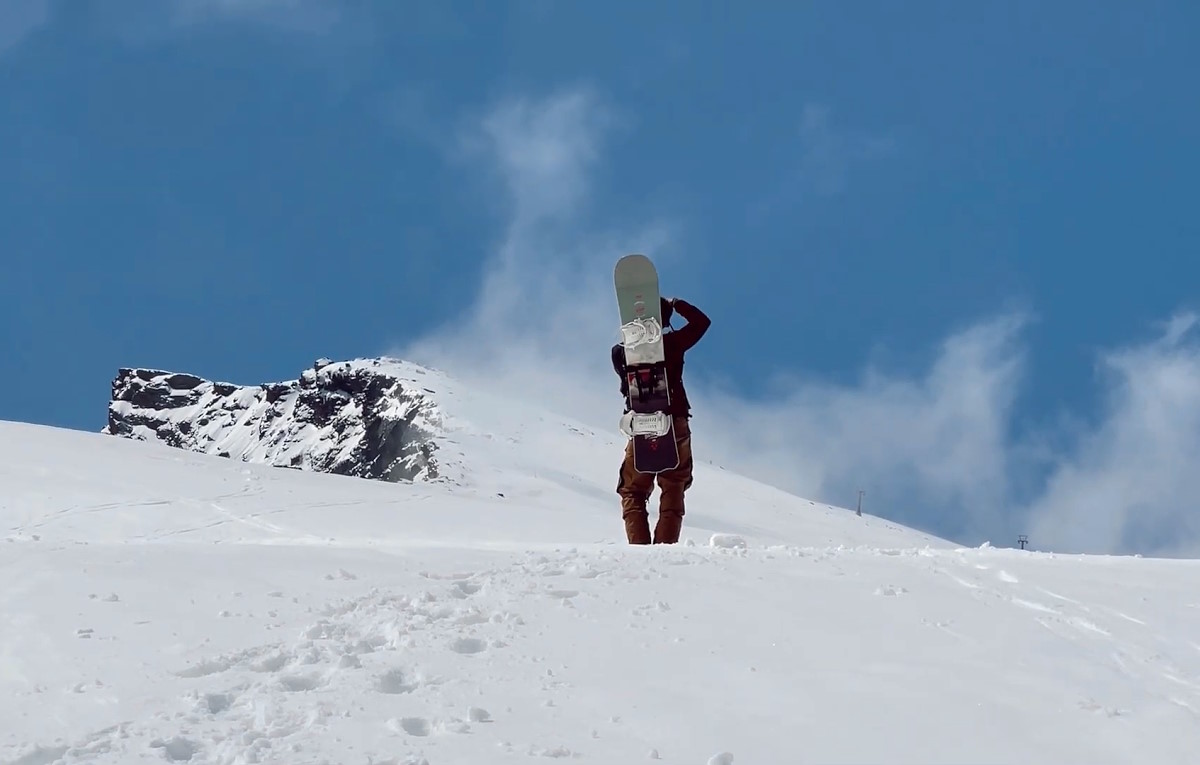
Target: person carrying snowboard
633 487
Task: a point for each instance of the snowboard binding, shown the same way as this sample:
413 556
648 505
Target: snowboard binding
642 338
641 332
655 424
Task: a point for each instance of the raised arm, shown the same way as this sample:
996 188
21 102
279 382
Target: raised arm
697 323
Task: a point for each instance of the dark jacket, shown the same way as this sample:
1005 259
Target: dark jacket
675 344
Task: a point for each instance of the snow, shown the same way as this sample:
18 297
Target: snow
161 605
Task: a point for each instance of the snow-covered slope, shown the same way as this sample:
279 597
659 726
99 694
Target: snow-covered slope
163 605
501 451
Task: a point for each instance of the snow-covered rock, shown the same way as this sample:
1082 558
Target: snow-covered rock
369 418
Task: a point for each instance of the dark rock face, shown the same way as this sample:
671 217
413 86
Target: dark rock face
362 418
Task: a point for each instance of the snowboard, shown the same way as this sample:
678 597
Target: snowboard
650 424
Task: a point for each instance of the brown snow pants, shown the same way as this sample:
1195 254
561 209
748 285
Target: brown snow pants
634 489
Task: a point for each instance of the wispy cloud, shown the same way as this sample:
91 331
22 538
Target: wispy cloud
153 21
298 15
149 20
18 18
829 152
935 449
822 159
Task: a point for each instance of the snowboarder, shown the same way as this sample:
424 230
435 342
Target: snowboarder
634 487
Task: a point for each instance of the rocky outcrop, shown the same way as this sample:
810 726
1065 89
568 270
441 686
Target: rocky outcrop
368 418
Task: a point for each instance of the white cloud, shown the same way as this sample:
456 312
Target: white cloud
939 451
1132 482
935 449
937 442
19 18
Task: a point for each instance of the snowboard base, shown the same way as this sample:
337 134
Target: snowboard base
654 454
651 427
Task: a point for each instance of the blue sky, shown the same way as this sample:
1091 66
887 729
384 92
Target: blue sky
950 249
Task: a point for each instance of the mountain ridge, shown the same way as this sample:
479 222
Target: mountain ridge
369 418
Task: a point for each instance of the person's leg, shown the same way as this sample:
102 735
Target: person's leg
672 485
634 489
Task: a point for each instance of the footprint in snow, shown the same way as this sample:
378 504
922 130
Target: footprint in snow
414 726
271 663
455 575
467 645
177 749
464 588
299 683
472 617
422 727
395 681
215 703
205 668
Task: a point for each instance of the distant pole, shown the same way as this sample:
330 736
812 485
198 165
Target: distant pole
860 496
1022 540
